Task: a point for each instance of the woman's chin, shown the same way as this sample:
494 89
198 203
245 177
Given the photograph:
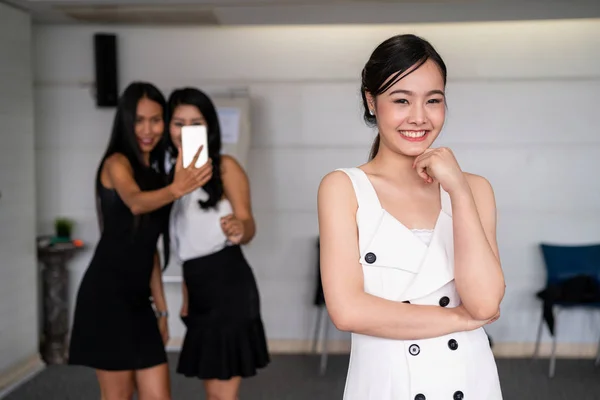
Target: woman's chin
146 146
413 151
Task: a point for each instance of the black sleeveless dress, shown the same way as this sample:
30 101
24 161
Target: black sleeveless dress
114 325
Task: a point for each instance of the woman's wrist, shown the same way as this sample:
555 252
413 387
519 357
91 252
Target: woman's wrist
173 191
459 321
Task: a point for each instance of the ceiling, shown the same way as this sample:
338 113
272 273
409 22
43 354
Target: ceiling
278 12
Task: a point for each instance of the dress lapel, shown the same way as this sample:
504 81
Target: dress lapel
394 246
435 270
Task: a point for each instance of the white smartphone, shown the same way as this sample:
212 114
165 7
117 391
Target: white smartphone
192 137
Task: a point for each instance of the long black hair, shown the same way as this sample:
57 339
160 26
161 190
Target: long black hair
392 58
124 141
197 98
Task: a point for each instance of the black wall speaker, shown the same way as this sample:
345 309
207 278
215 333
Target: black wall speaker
105 60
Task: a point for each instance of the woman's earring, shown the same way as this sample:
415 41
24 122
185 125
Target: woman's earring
371 112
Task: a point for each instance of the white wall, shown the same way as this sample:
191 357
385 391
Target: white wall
18 263
522 104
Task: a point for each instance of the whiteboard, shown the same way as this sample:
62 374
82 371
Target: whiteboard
234 112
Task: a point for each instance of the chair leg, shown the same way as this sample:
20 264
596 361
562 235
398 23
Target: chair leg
539 337
554 339
317 329
324 353
597 362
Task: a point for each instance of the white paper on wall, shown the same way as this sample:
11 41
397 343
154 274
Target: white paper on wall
229 119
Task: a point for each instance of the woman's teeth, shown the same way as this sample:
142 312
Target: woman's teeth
413 134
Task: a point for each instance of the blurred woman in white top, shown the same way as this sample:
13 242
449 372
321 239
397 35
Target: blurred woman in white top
225 339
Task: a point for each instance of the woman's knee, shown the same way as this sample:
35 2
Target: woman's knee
158 392
118 393
220 396
155 396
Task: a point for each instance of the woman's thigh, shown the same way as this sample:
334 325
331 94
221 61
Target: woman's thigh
222 390
116 385
153 383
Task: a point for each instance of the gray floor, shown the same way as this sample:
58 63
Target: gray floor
294 377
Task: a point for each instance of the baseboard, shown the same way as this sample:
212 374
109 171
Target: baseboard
501 350
19 373
285 346
563 350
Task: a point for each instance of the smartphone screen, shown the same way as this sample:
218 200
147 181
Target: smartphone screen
192 137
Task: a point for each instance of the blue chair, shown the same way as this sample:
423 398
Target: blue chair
573 280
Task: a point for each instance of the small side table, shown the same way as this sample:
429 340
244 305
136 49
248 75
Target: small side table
55 299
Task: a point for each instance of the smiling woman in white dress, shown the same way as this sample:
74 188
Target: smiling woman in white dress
409 259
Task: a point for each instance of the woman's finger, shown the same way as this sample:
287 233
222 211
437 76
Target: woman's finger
422 156
421 168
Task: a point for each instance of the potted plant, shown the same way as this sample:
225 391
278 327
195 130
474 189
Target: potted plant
63 228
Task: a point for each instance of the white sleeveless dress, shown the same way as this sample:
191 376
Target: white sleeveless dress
398 265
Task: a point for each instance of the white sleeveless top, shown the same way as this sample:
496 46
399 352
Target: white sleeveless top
417 267
197 232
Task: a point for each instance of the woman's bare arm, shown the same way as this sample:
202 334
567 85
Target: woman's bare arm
117 171
237 191
478 273
157 287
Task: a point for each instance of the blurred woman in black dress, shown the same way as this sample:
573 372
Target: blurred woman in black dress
120 323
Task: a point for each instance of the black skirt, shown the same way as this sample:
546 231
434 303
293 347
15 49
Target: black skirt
109 334
225 336
114 325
